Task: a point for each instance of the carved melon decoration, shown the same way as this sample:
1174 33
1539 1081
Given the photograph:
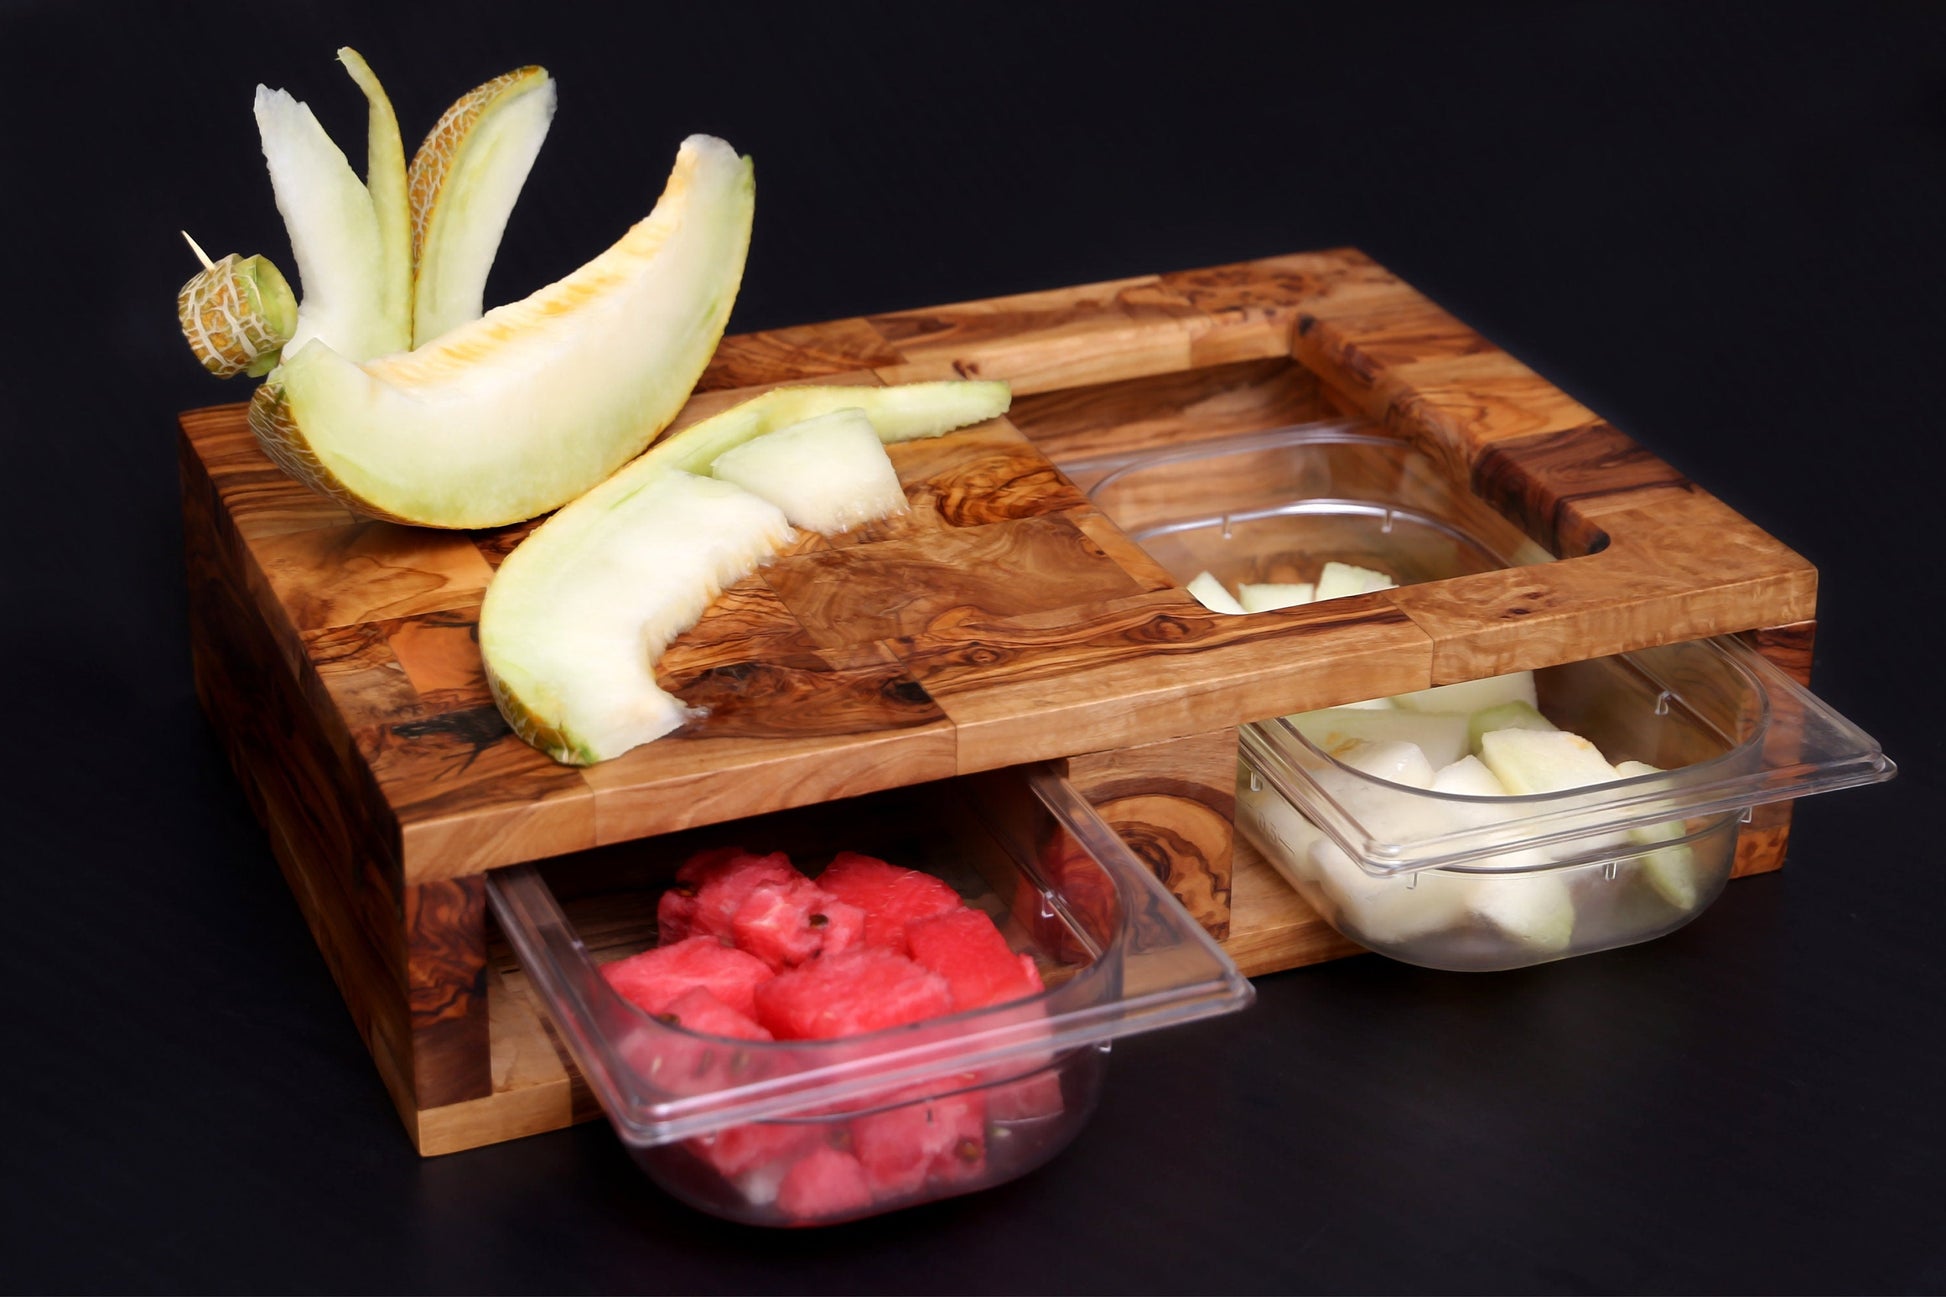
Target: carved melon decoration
395 396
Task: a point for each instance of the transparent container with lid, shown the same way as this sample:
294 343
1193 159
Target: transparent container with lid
810 1132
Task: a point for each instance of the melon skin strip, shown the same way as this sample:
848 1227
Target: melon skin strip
464 180
530 405
573 569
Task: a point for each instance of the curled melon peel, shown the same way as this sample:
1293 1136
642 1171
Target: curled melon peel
530 405
236 313
576 616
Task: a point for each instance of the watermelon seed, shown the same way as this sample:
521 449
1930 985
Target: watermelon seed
669 1018
968 1150
818 920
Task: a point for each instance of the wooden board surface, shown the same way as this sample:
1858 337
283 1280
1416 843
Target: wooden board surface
1003 620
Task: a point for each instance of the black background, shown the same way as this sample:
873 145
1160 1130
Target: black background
1717 225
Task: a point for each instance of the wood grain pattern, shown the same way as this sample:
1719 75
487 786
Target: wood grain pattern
1002 619
1174 803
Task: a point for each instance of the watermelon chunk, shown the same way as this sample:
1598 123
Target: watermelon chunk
890 896
1033 1096
857 990
698 1010
654 979
826 1184
757 1148
711 887
785 923
965 948
943 1138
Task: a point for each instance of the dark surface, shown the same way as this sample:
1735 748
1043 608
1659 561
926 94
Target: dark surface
1719 227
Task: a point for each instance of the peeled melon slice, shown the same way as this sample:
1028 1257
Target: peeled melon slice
828 474
1469 696
1512 715
1262 596
537 401
586 652
1543 761
464 180
1442 739
1671 870
1337 580
1214 595
576 616
353 297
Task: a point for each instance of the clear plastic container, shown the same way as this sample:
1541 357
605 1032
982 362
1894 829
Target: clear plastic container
1468 882
1276 506
1479 883
812 1132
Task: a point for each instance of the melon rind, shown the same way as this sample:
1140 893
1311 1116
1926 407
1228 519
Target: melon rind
465 178
525 626
535 402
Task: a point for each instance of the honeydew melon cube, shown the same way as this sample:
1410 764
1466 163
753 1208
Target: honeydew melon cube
1337 580
1389 911
1670 870
1512 715
1263 596
1441 739
1534 908
1214 595
1470 696
1543 761
1467 777
828 474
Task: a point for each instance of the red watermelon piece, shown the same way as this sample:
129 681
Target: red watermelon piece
965 948
711 886
890 896
756 1146
857 990
826 1184
785 923
698 1010
1033 1096
942 1139
654 979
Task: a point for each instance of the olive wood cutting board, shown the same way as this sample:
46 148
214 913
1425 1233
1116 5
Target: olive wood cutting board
1003 619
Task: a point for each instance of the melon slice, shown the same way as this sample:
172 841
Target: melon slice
1543 761
576 615
1214 595
1441 738
1671 870
1262 596
1469 696
828 474
464 180
589 628
537 401
354 292
1511 715
1336 580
